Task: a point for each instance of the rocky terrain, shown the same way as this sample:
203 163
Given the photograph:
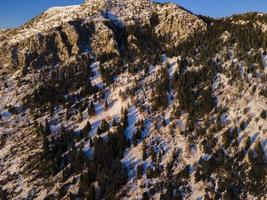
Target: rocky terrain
133 99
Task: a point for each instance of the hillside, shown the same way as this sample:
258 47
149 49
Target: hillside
129 99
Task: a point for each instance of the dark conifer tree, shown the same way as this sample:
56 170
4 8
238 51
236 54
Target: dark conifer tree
86 129
164 123
47 128
91 109
104 126
144 147
106 105
140 171
99 132
114 122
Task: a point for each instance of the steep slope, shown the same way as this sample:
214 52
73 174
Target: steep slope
62 28
56 64
129 99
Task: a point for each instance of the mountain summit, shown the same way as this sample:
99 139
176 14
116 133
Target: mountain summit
133 99
107 19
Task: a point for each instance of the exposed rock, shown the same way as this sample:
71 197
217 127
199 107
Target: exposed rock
47 41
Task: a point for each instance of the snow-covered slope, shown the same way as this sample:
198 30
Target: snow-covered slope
132 99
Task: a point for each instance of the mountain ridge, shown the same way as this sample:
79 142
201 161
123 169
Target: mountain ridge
133 100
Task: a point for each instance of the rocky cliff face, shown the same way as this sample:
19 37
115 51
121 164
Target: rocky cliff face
95 28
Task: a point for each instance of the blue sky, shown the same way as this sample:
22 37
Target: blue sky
14 13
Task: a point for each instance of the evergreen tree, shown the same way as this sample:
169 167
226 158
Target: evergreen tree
95 97
263 114
135 140
164 122
106 105
46 148
142 125
247 143
77 159
47 128
67 114
91 109
243 125
140 170
86 129
153 154
235 133
144 147
99 132
104 126
125 118
114 122
92 193
260 152
149 172
91 143
169 192
226 139
138 134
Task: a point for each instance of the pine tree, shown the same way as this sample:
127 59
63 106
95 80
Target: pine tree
169 191
226 139
125 118
104 126
138 134
164 122
144 147
67 114
235 133
243 125
153 154
91 195
169 169
99 132
91 143
46 148
260 152
91 109
51 109
251 156
142 125
247 143
95 97
106 105
183 65
175 80
149 172
114 123
86 129
47 128
263 114
40 130
140 171
77 159
134 138
145 196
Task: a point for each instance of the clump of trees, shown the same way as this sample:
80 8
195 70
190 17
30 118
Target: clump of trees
58 83
162 87
61 153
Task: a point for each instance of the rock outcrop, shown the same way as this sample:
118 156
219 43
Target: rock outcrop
98 28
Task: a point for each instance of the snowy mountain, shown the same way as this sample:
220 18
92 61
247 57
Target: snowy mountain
133 99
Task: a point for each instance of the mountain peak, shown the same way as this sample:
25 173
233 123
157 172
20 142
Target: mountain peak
125 9
113 1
